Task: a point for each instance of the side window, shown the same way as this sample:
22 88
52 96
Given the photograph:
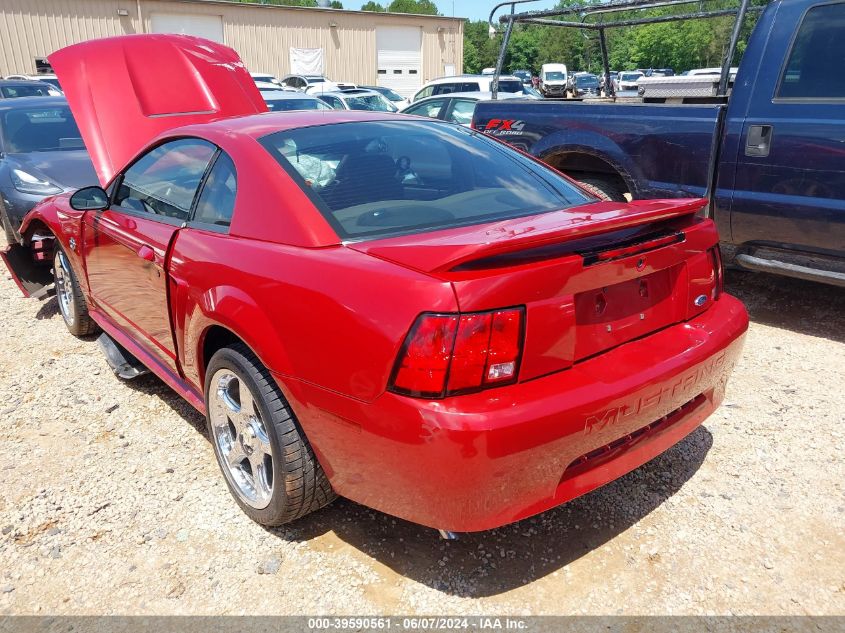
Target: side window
429 108
444 89
334 102
425 92
814 68
217 198
462 110
469 87
164 181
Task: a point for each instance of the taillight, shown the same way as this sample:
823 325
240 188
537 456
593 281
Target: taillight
447 354
718 270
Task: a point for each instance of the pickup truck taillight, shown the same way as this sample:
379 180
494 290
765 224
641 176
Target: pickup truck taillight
449 354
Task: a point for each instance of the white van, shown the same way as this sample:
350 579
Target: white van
553 80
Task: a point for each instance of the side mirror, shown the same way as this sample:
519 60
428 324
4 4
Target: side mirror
90 199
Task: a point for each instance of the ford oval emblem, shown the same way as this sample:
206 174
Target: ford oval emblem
700 300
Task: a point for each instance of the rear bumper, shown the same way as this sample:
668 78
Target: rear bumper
478 461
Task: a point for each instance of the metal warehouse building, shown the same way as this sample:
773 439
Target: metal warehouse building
396 50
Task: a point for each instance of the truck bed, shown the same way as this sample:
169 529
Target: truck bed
662 151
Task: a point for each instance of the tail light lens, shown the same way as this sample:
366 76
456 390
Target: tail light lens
447 354
716 258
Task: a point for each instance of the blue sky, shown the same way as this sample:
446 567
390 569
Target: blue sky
473 9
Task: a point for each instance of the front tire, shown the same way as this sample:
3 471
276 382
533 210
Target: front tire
72 304
267 462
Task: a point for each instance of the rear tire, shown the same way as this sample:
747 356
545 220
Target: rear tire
603 188
267 462
72 304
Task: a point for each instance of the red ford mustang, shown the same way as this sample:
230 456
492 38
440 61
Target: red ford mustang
396 310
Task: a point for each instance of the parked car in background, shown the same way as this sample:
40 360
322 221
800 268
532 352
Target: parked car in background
358 99
266 78
394 97
311 83
15 88
284 100
456 107
769 156
468 83
400 311
44 77
627 80
524 75
554 79
266 86
583 85
41 154
660 72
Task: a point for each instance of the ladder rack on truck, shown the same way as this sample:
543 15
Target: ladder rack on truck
592 17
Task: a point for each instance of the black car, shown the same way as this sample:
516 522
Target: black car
41 154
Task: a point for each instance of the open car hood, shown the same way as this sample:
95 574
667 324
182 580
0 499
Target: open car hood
124 91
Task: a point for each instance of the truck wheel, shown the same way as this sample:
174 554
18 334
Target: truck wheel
265 457
72 302
603 188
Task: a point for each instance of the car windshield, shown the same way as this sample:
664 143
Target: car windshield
554 76
378 178
631 76
587 81
373 103
40 130
31 89
281 105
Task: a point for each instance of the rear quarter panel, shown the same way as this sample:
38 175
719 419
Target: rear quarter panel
662 151
331 317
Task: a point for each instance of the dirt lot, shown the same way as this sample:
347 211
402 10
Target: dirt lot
111 502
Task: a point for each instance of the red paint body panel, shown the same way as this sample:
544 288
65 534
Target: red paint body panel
478 461
610 348
126 90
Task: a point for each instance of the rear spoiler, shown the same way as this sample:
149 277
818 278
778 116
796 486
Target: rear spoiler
445 251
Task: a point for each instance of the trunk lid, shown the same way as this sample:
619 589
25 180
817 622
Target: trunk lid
590 278
124 91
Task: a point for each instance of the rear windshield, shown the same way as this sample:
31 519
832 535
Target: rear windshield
509 85
281 105
378 178
40 130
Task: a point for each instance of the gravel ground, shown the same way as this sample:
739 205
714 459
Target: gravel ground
111 501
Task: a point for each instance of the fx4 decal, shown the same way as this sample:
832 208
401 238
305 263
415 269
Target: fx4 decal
504 127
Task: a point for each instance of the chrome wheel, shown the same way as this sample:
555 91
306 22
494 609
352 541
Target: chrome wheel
240 439
64 286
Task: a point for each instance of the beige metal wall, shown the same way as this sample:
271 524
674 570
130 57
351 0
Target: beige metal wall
262 35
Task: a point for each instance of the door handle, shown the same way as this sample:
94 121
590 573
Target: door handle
146 253
759 140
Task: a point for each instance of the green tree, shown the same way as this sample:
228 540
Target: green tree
423 7
373 6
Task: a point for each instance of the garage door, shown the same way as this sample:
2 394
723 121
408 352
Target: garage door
399 58
208 26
